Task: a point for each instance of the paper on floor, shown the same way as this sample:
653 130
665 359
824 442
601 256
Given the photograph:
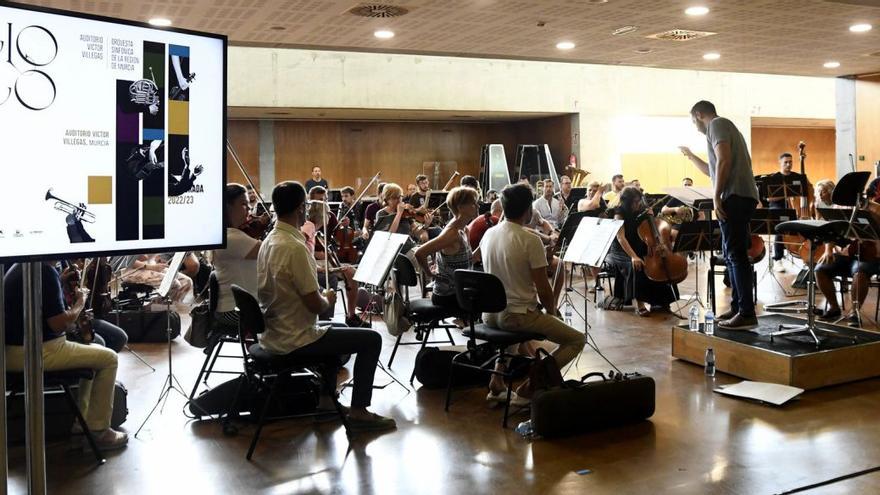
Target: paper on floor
772 393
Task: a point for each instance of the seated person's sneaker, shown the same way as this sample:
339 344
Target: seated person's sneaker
108 439
373 422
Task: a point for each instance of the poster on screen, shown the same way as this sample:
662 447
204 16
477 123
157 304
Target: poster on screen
113 136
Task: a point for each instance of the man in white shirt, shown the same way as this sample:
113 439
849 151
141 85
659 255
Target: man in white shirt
551 209
517 257
291 301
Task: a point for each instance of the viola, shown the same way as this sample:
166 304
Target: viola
82 330
345 250
661 264
98 275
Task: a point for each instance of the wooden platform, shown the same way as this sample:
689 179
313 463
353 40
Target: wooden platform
794 361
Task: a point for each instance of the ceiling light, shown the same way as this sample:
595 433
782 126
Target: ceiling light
711 56
160 21
860 28
384 34
565 45
642 51
831 65
697 11
623 30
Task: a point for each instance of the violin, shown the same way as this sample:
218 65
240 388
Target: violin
82 330
256 226
661 264
98 275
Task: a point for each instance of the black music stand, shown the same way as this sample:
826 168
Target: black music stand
785 186
699 236
849 192
763 223
577 194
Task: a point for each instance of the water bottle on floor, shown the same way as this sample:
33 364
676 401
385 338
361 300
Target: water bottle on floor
600 296
709 323
694 318
710 362
566 313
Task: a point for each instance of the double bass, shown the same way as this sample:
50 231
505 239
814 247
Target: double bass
798 245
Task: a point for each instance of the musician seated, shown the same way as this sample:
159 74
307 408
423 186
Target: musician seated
149 269
823 191
237 264
625 260
471 182
491 195
593 200
419 205
103 332
396 216
564 193
841 263
289 295
314 227
370 211
548 235
451 247
617 185
551 209
518 259
410 190
95 395
478 227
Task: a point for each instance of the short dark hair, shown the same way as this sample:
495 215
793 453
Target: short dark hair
288 196
381 187
470 181
785 155
421 177
231 194
347 190
687 178
516 199
616 176
704 107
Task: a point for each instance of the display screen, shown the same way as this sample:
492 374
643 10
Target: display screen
112 137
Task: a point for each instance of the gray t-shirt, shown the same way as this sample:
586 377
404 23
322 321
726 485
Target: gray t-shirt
740 179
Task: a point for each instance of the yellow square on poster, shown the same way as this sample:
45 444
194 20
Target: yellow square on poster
178 118
100 190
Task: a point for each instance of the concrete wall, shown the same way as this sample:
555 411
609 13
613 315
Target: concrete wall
265 77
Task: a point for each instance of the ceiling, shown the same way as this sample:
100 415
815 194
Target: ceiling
764 36
377 114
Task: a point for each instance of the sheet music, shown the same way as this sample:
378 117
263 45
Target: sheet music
170 273
592 240
378 258
688 195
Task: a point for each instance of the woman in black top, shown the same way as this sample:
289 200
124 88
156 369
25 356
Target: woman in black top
626 259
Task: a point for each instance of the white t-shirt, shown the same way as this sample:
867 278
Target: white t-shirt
511 253
231 267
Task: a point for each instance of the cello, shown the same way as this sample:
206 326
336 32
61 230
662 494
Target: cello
661 264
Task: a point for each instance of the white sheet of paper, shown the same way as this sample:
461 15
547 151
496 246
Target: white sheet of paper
771 393
170 273
378 257
688 195
591 241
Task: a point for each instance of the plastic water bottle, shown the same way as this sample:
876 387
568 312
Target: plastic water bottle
566 313
709 323
526 430
694 319
600 296
710 362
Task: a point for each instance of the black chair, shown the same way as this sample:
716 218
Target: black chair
424 314
63 379
220 333
262 369
479 292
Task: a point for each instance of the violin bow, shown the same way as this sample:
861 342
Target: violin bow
357 200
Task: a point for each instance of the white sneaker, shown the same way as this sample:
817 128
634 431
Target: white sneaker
518 400
108 439
778 266
496 396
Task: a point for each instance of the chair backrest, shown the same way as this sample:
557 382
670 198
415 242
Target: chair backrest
479 292
213 292
405 272
250 316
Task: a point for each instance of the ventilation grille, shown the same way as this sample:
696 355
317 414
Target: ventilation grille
680 35
624 30
863 3
378 10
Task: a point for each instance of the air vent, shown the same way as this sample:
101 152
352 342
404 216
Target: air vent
624 30
680 35
378 10
863 3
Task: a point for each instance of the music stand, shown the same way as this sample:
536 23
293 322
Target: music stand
171 382
373 271
566 233
696 237
588 246
763 223
577 194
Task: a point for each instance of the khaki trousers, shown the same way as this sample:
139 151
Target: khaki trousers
96 395
569 341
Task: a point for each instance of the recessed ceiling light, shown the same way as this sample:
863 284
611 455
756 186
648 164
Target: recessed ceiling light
711 56
277 28
860 28
697 11
565 45
642 51
384 34
831 65
160 21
